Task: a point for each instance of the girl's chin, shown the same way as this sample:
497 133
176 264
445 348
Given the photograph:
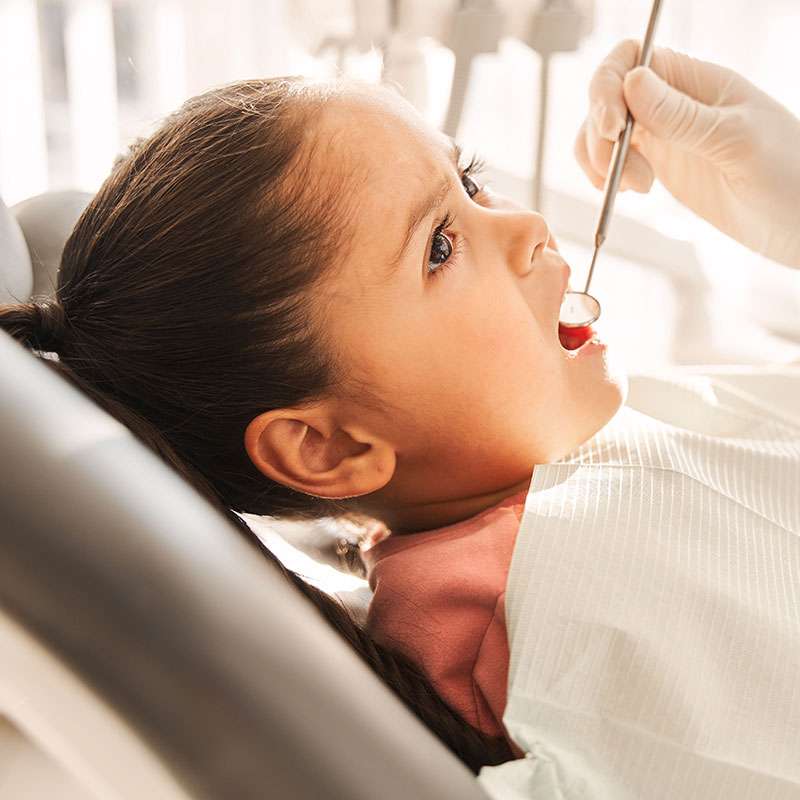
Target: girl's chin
608 401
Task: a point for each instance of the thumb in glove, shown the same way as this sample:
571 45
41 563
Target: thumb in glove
666 112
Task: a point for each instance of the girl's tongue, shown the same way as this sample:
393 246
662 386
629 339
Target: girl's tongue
573 338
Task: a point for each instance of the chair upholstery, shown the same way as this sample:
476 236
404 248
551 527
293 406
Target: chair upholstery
16 274
32 236
46 221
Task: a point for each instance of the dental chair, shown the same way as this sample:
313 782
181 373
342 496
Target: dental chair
148 651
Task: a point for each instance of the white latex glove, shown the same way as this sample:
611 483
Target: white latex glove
721 146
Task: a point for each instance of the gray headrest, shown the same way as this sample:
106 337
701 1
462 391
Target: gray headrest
46 221
16 277
153 599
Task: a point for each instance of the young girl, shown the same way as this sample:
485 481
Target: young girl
298 295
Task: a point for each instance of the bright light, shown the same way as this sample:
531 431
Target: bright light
23 150
91 76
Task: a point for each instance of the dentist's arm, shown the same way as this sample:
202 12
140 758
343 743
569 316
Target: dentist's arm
720 145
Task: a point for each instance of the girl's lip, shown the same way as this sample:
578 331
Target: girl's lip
567 276
592 345
567 272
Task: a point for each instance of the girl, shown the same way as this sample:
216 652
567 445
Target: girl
300 297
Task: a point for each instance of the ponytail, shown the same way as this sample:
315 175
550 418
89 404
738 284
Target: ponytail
43 327
38 325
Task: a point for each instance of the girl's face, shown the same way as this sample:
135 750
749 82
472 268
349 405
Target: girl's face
446 308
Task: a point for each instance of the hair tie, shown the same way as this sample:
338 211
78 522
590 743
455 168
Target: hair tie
50 325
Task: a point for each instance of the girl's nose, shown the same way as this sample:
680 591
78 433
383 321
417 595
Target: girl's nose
525 232
528 236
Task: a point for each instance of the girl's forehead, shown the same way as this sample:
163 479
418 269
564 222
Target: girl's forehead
382 158
375 128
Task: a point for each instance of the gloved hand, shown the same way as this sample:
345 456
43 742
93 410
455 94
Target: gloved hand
721 146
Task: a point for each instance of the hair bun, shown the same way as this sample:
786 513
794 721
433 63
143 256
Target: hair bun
49 326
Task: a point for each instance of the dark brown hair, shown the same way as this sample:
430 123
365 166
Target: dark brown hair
183 308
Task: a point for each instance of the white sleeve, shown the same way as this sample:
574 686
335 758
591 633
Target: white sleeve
522 779
771 389
544 775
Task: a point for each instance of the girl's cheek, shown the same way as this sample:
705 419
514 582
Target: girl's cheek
534 300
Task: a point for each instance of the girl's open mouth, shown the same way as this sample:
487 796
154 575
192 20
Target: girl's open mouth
579 340
573 338
572 335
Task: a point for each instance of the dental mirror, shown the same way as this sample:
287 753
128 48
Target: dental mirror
579 309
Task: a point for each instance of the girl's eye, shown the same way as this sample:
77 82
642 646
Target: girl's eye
439 256
443 251
441 248
471 187
475 167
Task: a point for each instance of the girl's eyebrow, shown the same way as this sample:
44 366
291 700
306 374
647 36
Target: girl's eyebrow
421 211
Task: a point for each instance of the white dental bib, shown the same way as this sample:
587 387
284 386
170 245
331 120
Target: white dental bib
653 603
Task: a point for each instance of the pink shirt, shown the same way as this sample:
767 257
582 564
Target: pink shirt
439 598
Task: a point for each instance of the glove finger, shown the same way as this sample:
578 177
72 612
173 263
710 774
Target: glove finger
667 113
701 80
637 173
599 149
582 157
709 83
606 98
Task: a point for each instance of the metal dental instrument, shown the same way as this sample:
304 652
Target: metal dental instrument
580 309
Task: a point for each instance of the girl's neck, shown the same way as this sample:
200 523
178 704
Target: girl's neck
426 516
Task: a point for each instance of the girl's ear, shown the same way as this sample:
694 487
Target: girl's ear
306 450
